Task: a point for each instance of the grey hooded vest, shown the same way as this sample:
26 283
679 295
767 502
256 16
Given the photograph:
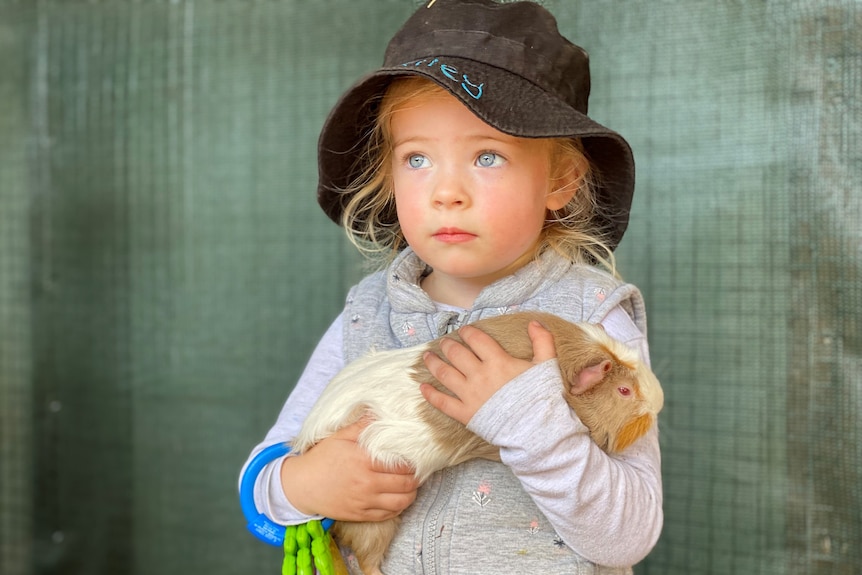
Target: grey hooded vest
475 518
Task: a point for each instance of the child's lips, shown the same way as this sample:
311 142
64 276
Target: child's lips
453 235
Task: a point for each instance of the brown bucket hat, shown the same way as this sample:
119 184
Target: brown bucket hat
509 64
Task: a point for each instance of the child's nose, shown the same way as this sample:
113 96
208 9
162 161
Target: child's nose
449 191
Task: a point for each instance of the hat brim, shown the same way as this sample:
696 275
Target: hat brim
508 103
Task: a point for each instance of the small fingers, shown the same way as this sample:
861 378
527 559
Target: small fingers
389 481
351 432
445 373
401 471
451 406
389 505
459 355
543 342
384 494
482 346
395 492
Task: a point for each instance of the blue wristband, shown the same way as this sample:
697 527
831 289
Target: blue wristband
259 524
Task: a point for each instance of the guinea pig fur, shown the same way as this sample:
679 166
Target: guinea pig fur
612 392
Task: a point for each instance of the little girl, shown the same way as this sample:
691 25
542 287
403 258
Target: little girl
467 162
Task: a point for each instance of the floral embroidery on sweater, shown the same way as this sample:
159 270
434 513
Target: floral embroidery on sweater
600 294
482 495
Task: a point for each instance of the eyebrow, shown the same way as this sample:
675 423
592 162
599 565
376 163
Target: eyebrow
473 137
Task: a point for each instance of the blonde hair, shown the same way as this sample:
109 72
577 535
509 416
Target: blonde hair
370 219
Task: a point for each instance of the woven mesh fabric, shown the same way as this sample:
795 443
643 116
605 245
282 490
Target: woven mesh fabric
165 270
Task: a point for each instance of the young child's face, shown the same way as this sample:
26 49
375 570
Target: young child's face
471 200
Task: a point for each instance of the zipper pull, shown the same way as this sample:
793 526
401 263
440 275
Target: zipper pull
456 320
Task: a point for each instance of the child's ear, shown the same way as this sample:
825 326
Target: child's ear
563 188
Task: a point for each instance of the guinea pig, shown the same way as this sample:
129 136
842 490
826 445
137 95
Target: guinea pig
612 392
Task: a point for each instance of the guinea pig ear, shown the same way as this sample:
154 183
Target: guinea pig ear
590 376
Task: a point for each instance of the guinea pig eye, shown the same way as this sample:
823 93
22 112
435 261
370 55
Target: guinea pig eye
624 391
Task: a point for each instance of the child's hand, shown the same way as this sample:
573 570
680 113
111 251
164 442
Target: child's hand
337 479
479 371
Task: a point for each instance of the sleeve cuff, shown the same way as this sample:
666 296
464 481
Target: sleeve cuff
276 506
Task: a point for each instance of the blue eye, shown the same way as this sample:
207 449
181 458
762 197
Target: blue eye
417 161
488 159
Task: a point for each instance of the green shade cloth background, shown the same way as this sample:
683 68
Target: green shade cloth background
165 271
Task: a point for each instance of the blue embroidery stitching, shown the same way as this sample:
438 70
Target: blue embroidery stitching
475 96
451 72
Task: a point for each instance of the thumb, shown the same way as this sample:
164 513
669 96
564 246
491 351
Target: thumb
351 432
543 342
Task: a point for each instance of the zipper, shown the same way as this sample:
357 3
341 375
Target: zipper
456 320
432 530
